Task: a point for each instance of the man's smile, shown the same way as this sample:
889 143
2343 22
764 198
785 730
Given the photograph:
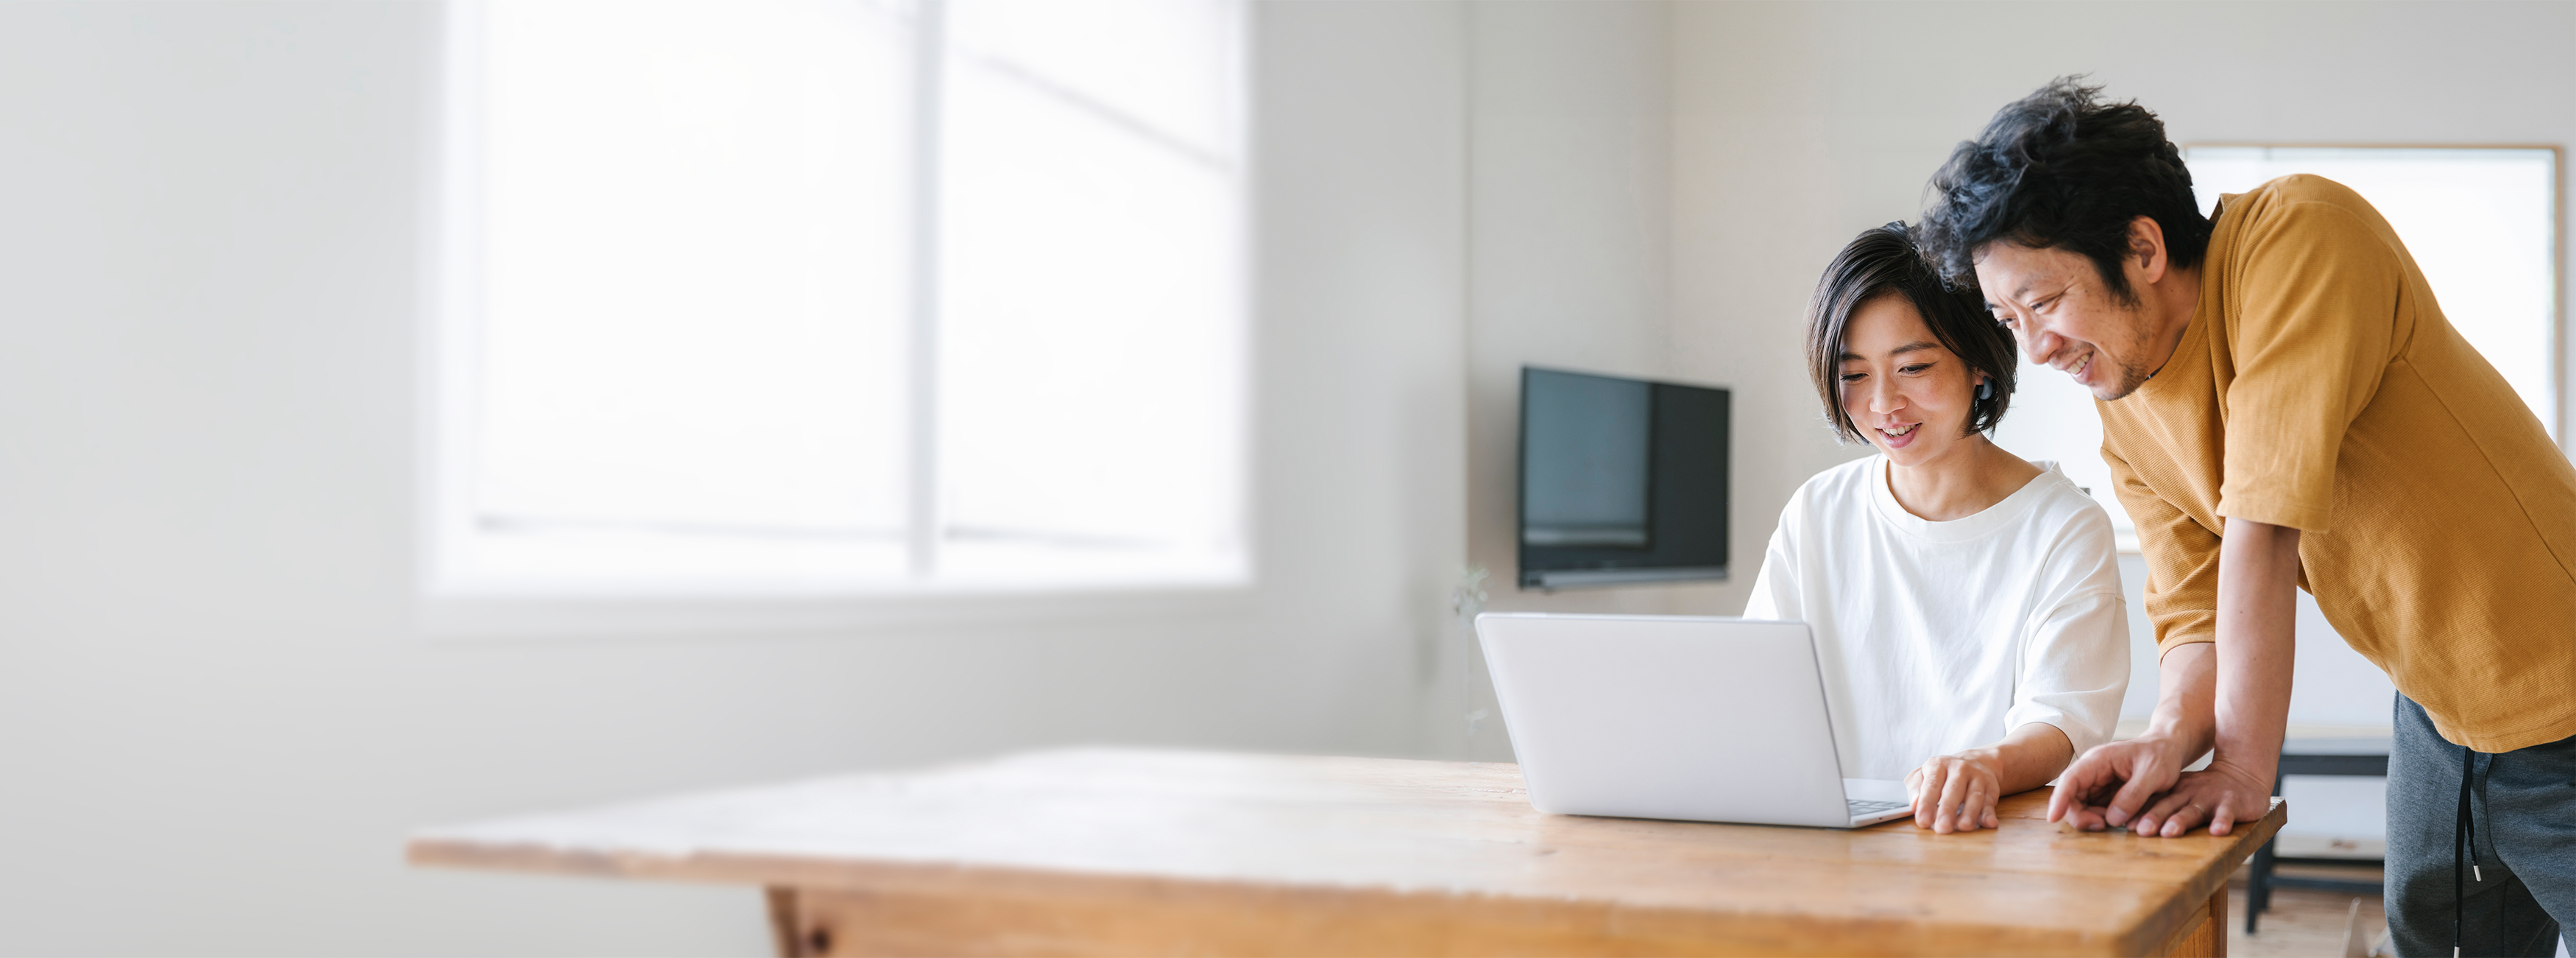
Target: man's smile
2079 367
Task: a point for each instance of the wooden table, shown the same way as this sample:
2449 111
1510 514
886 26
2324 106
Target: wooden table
1140 852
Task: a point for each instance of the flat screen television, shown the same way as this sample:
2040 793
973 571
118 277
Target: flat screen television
1622 480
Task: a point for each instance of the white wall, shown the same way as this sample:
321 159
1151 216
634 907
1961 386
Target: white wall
217 720
1570 233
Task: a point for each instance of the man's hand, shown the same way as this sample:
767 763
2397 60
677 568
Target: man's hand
2149 793
2139 784
2109 785
2219 796
1956 792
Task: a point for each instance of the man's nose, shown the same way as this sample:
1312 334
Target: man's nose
2037 342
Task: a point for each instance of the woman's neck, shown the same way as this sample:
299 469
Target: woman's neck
1968 479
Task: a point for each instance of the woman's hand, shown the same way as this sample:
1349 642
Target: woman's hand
1957 792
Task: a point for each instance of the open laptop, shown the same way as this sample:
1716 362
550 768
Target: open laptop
1684 717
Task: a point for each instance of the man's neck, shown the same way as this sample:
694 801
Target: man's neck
2170 303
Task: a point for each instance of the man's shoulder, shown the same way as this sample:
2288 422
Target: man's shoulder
2295 189
2299 203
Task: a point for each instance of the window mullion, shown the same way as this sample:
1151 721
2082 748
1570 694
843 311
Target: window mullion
929 63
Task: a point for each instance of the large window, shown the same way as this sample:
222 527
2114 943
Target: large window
840 295
2481 222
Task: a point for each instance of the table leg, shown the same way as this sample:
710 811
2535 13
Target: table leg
783 933
2218 922
2258 880
2204 934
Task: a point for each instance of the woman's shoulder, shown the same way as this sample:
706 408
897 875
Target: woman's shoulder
1828 499
2069 517
1848 482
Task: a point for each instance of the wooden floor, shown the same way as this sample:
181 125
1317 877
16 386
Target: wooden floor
2301 923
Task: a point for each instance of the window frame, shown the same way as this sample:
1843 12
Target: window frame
449 604
2562 352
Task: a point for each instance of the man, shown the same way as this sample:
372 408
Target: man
2283 406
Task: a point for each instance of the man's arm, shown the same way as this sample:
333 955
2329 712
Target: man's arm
2258 582
2106 786
2233 694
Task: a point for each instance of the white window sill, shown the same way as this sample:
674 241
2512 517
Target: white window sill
502 616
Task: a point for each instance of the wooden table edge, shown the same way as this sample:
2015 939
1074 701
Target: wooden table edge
2172 921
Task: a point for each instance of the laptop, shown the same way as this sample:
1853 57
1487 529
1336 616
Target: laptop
1681 717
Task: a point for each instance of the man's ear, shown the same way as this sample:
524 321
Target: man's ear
2147 247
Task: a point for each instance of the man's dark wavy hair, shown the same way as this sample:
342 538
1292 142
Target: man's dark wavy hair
2060 169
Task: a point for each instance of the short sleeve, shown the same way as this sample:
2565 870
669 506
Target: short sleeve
2182 561
2075 669
2315 301
1775 589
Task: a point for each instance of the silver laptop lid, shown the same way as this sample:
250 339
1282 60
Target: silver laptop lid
1682 717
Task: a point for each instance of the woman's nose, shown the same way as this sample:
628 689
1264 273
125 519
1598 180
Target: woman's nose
1883 397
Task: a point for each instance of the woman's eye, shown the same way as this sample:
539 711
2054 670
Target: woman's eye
1852 377
1916 368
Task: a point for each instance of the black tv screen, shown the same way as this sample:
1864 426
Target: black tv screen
1622 480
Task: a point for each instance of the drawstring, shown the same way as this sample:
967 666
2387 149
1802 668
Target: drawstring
2464 843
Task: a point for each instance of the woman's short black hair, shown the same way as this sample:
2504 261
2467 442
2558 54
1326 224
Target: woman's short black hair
1884 262
2059 169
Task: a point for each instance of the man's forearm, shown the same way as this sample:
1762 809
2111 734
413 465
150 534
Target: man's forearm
2258 576
2186 687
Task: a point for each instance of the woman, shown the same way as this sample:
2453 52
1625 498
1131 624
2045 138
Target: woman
1966 604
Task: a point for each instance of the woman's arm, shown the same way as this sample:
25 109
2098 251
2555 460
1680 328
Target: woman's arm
2074 670
1958 792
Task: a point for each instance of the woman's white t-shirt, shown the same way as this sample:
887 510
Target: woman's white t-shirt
1937 637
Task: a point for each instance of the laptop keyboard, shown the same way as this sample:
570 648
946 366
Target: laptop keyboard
1860 807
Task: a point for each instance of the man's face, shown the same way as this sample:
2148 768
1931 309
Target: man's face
2064 316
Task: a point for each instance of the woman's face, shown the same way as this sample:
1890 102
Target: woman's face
1900 386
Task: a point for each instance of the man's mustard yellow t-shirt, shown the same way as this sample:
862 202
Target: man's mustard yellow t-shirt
2319 387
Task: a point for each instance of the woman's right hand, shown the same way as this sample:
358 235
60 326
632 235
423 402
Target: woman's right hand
1957 792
